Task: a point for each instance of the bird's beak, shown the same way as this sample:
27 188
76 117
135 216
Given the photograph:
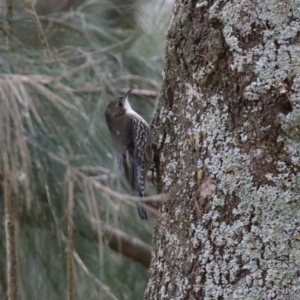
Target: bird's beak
125 101
127 93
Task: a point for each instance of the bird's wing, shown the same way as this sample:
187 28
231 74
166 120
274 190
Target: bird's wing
131 166
130 151
134 158
141 134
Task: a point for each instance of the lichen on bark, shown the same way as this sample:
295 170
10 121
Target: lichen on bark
229 153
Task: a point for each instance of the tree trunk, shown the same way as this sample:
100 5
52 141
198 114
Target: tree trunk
228 152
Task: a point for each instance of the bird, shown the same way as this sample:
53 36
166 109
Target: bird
131 136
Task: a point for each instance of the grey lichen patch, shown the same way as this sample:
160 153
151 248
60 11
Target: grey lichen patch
277 58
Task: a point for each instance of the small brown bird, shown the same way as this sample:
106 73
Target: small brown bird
130 135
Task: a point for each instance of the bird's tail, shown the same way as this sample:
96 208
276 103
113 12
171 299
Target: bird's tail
142 212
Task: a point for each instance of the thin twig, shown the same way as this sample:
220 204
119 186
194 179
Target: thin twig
136 92
97 221
94 171
70 257
99 51
143 93
104 287
3 29
10 228
36 21
63 24
80 68
138 78
14 97
8 24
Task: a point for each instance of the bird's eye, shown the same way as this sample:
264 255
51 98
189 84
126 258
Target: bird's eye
120 104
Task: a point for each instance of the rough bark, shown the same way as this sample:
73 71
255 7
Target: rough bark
228 151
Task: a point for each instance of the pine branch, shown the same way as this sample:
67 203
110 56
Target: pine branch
125 198
120 242
128 245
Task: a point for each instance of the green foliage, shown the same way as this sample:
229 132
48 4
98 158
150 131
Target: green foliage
52 132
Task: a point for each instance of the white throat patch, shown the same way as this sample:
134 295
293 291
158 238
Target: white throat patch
130 111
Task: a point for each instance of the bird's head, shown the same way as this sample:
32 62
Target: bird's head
118 106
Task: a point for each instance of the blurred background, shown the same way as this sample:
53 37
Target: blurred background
61 63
